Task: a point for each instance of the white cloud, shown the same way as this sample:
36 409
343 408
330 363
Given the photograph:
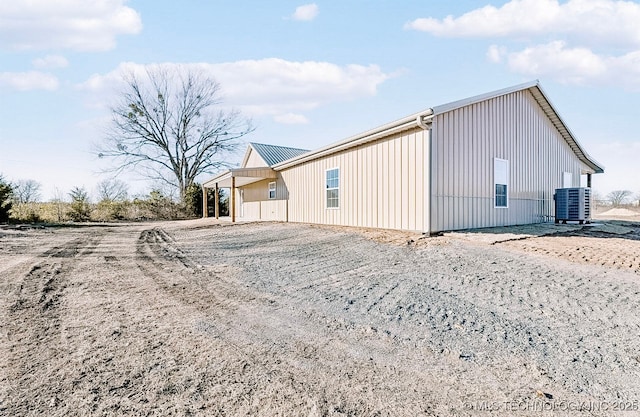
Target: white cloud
563 40
571 65
65 24
306 12
517 17
303 84
26 81
607 22
576 65
271 86
291 119
495 53
50 62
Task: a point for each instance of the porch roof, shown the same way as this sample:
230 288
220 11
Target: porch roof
243 176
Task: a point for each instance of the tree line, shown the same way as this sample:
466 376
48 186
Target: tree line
168 125
20 202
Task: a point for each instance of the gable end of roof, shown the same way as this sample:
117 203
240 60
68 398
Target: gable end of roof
543 101
273 154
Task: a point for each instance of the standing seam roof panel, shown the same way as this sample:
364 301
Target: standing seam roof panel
275 154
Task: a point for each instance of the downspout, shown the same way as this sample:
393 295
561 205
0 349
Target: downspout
424 121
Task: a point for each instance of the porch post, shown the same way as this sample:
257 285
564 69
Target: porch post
217 201
205 203
232 209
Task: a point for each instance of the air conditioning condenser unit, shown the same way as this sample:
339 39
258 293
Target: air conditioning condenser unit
573 204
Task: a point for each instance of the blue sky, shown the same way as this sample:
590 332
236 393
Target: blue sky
309 74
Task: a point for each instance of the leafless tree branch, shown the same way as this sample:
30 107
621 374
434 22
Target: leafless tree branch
26 191
619 197
168 127
112 190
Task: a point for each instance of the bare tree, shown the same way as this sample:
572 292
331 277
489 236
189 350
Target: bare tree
167 126
112 190
26 191
58 201
618 197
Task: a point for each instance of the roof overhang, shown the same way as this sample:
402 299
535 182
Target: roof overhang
559 124
242 177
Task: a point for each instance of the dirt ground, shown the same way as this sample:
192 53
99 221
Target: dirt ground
197 318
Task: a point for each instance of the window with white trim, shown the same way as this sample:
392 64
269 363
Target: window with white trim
272 190
332 186
501 182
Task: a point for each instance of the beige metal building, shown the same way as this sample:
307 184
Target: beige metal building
489 160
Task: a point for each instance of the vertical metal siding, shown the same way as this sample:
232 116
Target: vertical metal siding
464 143
383 184
258 191
255 160
256 203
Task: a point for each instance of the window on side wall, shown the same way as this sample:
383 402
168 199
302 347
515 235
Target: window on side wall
501 182
332 186
272 190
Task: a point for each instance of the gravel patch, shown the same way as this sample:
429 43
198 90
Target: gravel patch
211 319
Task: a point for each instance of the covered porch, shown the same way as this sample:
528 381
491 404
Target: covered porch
232 179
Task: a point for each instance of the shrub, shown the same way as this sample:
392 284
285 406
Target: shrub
193 200
6 194
107 210
80 210
26 212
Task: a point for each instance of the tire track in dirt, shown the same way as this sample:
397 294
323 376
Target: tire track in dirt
220 301
285 319
556 314
33 319
480 303
115 352
331 342
295 358
160 259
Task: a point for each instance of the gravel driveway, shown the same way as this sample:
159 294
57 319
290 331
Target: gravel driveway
187 318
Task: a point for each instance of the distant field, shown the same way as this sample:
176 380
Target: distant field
199 318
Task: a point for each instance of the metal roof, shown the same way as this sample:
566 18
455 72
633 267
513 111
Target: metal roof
273 154
416 119
443 108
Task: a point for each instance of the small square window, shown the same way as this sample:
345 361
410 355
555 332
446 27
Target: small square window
501 195
332 186
501 182
272 190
